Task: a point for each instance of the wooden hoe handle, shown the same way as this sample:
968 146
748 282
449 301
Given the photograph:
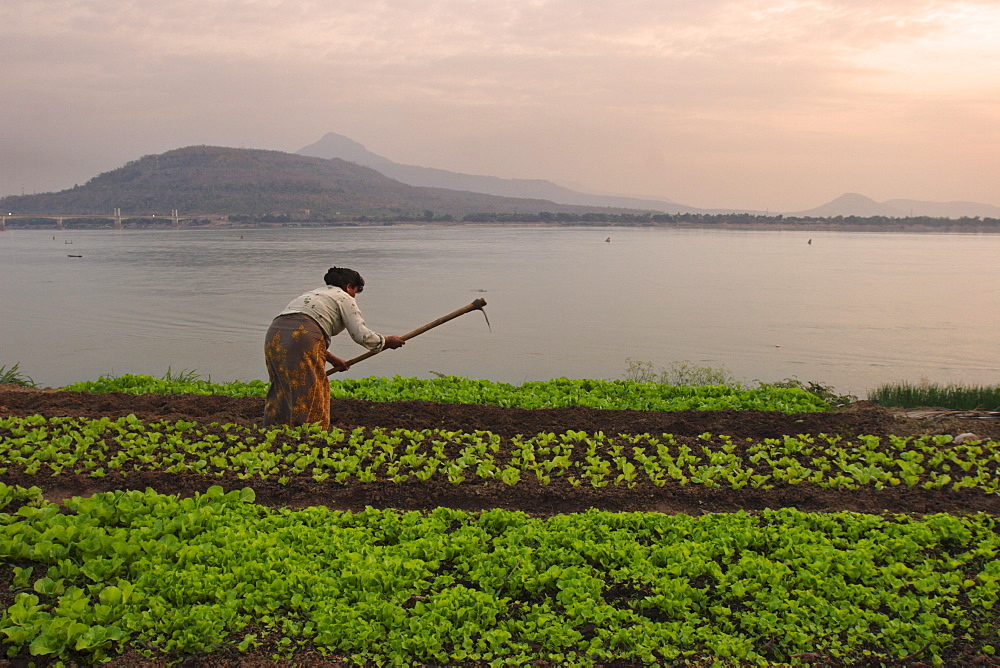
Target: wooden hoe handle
474 306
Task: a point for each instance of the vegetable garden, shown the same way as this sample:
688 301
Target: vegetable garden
455 522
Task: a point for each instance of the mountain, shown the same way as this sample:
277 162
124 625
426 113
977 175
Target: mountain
214 180
853 204
912 207
211 180
850 204
333 145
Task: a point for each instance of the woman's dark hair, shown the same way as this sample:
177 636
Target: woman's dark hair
342 277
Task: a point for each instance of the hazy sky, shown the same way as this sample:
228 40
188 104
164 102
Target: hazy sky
763 104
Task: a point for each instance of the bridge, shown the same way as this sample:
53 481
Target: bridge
116 217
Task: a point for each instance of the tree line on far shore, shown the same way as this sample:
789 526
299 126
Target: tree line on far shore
544 217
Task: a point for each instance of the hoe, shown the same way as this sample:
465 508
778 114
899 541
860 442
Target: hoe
474 306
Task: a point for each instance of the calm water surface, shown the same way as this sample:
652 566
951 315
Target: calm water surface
852 310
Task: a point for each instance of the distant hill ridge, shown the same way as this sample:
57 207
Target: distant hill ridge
347 181
854 204
216 180
333 145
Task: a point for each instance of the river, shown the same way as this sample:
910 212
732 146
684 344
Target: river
852 310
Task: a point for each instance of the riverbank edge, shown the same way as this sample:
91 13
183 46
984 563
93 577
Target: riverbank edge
957 227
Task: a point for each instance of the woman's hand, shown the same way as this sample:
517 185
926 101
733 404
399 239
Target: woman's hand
393 342
337 363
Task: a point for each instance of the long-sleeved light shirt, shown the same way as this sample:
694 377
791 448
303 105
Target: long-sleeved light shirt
334 311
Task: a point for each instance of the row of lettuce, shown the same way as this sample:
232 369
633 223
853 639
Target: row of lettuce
102 446
560 392
172 577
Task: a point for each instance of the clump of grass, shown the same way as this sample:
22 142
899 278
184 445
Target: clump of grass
185 376
682 373
13 376
924 395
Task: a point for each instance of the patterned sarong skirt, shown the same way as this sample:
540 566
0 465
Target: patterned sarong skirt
295 353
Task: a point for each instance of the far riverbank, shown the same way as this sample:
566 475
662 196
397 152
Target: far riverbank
776 224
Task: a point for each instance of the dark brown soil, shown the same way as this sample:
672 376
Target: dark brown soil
558 497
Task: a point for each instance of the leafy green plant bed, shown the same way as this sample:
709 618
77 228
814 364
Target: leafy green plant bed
173 577
217 578
604 394
97 447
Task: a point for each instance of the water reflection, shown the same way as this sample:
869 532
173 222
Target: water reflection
850 309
